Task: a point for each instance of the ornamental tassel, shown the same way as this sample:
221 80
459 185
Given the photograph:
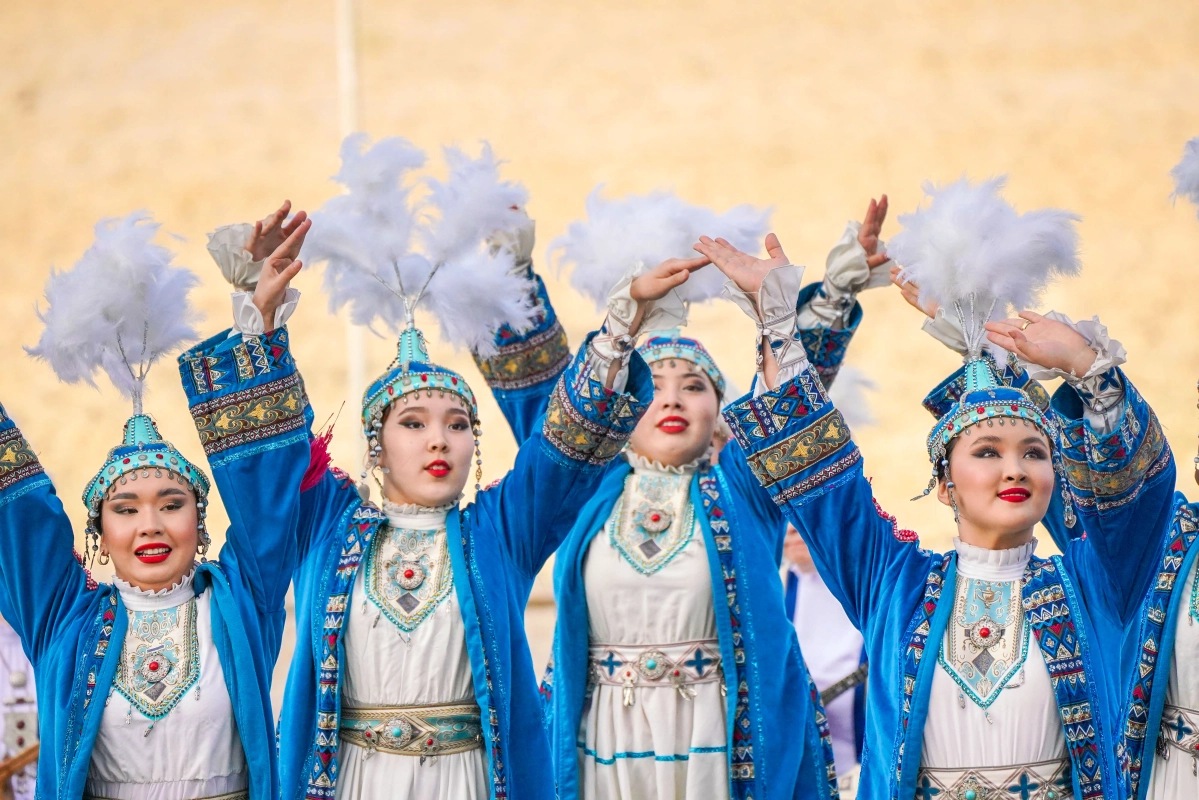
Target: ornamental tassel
627 689
685 691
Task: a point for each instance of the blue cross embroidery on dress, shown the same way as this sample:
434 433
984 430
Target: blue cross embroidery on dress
160 661
986 643
653 521
408 574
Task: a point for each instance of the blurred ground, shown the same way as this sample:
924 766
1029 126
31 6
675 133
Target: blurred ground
207 113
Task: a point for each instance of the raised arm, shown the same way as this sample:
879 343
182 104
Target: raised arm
248 402
1115 457
557 469
43 586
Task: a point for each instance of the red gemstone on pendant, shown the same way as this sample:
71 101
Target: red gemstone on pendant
676 672
984 632
429 742
154 666
368 734
409 574
655 517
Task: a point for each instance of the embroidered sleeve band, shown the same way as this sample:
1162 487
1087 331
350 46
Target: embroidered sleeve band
527 359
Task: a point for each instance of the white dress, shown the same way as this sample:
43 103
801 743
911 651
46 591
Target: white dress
1174 775
168 731
421 661
664 745
992 710
19 697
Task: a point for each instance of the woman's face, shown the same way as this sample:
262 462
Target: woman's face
679 424
427 444
1003 482
149 526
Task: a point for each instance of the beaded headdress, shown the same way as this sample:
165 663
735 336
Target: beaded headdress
119 309
972 254
387 255
664 345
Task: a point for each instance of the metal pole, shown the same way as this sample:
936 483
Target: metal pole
348 102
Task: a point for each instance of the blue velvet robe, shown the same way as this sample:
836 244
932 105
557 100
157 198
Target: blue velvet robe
497 545
73 630
800 449
776 728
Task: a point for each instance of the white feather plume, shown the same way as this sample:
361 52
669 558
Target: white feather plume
387 254
620 233
970 252
119 309
849 394
1186 172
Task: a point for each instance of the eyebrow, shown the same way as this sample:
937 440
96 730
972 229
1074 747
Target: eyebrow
992 439
170 490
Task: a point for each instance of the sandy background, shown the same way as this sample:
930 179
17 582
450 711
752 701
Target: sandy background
208 113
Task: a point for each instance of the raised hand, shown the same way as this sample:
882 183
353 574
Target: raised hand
270 233
278 269
657 282
741 268
1044 342
911 293
872 226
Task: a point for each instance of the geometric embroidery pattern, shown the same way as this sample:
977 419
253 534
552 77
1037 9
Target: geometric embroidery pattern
587 422
253 414
797 453
160 660
986 641
521 363
17 459
408 574
1048 780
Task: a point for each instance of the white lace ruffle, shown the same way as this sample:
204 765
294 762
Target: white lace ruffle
773 310
999 565
142 600
411 515
640 463
248 319
1108 351
227 244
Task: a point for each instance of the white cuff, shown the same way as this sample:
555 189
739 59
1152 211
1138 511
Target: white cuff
773 312
1103 399
662 314
846 273
518 242
227 244
247 319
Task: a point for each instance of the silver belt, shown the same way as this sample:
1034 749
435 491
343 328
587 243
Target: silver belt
425 731
679 666
243 794
1179 731
1044 780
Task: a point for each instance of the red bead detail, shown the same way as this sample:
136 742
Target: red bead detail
391 390
984 632
126 461
158 456
429 742
424 378
368 734
676 672
1015 407
655 517
20 741
454 381
409 574
154 666
981 410
20 724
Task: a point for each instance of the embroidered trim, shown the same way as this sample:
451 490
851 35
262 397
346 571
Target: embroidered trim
521 363
653 521
607 762
1045 780
251 415
798 452
1179 731
425 731
977 651
160 659
826 739
757 418
825 348
1183 532
902 534
586 422
18 462
408 574
219 368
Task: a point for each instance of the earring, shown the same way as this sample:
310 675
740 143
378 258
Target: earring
104 558
478 460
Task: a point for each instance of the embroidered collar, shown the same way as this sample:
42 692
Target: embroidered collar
641 464
414 517
141 600
994 565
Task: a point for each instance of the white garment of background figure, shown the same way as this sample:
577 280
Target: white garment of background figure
832 648
19 702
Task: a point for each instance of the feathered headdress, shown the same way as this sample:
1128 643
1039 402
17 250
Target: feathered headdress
388 253
122 307
1186 172
645 230
971 253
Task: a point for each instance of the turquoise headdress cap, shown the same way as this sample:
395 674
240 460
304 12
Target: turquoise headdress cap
663 345
411 372
141 450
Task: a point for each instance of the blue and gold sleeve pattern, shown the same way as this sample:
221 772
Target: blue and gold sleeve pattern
796 442
245 394
943 398
589 424
825 347
19 465
527 359
1106 471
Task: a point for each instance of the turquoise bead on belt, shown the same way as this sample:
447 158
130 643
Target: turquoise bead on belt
651 664
971 794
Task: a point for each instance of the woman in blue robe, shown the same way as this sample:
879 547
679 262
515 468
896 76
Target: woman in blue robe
655 689
991 712
157 685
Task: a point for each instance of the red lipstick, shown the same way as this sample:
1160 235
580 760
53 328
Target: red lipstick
438 469
673 425
1015 495
152 553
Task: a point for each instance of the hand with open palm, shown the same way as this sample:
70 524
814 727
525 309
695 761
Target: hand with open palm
278 269
1044 342
270 233
746 271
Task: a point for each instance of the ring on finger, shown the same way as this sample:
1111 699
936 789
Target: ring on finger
1027 322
